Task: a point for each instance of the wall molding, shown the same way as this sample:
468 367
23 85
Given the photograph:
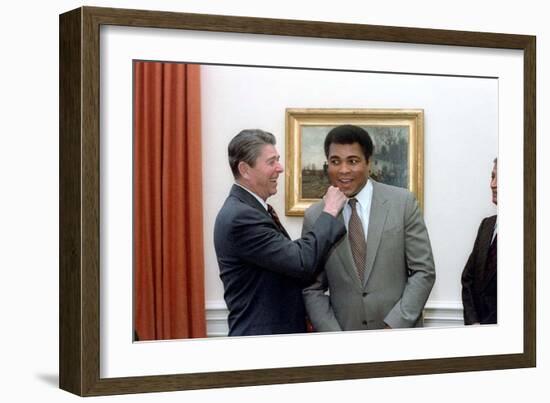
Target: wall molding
216 319
436 314
443 314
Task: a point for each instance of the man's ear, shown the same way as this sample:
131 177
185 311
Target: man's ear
243 169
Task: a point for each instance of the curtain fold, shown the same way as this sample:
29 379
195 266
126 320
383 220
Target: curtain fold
168 232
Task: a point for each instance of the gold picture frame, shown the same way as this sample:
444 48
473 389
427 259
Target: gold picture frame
306 129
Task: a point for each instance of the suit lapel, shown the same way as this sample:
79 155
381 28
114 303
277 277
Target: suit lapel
488 278
283 230
247 198
485 244
377 220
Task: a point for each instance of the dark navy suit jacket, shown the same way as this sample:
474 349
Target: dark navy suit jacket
262 270
479 286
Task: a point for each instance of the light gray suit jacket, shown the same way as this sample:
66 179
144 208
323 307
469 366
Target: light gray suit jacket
399 273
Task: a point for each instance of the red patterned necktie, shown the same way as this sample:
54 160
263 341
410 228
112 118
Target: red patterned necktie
357 242
275 218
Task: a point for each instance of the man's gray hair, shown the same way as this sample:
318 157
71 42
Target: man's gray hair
246 146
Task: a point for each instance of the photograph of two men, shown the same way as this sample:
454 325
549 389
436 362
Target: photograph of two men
274 201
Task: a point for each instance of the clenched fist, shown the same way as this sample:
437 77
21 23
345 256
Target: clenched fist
334 201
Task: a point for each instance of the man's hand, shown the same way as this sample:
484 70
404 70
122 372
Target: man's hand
334 201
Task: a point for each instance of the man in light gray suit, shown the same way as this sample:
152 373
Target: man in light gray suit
383 279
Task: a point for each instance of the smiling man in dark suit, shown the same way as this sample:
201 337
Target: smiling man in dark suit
263 271
479 278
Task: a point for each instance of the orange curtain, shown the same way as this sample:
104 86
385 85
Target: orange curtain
168 232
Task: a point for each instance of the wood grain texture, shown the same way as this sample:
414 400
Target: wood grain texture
90 202
70 313
316 29
530 201
80 200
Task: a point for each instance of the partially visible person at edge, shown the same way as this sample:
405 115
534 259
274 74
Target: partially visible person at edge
263 271
479 278
380 275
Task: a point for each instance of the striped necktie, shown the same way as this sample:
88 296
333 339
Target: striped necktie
357 242
276 220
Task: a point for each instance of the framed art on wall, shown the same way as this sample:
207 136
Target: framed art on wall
98 47
398 150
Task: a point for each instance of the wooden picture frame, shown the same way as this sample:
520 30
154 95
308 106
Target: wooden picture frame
306 186
79 278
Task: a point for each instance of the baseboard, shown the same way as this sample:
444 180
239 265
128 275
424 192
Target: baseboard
436 314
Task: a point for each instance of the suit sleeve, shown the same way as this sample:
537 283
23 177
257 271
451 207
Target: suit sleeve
421 269
257 241
468 275
317 302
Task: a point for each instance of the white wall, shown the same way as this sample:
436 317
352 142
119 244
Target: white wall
460 142
29 202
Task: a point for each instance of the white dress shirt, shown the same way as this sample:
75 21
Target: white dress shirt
364 201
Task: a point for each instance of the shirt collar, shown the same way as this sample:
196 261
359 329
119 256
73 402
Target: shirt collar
365 195
262 201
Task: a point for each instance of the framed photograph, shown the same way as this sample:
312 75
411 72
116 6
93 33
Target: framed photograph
477 93
398 157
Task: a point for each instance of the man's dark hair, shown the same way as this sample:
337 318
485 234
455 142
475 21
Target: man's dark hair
246 146
349 134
